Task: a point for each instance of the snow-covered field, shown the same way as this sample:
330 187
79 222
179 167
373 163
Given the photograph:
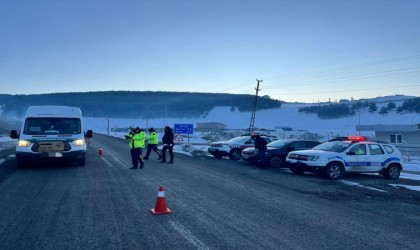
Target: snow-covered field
286 116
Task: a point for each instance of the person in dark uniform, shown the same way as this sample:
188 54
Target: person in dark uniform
168 144
261 147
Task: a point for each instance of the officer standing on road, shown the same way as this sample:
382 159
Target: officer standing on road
136 139
152 142
261 147
168 144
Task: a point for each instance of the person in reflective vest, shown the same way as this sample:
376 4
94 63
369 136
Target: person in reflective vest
152 142
136 139
168 144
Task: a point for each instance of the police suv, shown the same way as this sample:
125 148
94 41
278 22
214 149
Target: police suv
233 148
348 154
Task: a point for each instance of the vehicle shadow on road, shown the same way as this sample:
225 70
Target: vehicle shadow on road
48 166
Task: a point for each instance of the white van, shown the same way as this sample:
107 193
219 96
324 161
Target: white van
51 133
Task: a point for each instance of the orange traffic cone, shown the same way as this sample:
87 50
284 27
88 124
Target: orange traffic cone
160 207
100 153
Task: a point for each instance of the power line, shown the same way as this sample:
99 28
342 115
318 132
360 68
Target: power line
353 66
353 90
347 67
344 78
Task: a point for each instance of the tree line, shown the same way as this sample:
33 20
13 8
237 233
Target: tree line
339 110
137 104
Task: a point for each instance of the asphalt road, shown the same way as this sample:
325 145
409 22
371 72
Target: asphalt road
216 204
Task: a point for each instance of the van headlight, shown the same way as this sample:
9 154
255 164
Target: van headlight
78 142
23 143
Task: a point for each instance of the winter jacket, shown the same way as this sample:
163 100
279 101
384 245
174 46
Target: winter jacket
136 138
168 137
260 143
153 138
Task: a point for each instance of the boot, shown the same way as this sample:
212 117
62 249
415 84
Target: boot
141 164
162 161
171 161
160 157
146 158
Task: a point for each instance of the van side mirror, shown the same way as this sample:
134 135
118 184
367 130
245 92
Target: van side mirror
89 134
14 134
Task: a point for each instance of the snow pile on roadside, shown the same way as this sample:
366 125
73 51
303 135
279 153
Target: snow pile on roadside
6 142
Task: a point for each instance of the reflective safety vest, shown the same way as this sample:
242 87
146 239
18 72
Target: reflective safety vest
153 138
136 140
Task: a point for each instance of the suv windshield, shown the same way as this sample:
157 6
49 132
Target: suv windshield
47 126
333 146
278 144
239 139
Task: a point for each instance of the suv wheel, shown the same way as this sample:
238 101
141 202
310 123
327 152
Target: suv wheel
235 154
334 171
392 172
276 162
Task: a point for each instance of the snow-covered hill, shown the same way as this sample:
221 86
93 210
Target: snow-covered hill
274 119
287 116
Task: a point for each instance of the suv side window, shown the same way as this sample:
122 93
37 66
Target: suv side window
250 141
298 145
375 149
359 149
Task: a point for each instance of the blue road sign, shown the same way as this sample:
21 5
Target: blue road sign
183 128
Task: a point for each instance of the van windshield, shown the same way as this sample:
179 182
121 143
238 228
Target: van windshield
48 126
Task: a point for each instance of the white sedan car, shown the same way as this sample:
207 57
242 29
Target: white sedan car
348 154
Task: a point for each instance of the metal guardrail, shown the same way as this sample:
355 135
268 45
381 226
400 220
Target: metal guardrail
409 153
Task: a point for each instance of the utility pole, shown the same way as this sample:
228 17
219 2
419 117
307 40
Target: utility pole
254 109
147 117
107 128
166 113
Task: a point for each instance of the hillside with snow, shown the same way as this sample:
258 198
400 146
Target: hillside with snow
285 121
275 120
287 116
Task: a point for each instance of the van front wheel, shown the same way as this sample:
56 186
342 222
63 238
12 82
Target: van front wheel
81 162
20 163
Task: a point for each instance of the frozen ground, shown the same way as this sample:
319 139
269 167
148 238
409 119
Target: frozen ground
411 169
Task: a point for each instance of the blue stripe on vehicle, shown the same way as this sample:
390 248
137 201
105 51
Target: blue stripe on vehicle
390 160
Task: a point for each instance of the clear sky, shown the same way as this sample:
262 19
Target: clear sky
303 50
